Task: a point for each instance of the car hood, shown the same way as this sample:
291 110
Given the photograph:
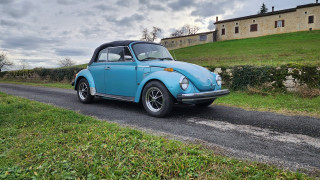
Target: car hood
201 77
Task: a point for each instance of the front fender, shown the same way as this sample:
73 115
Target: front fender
85 73
169 79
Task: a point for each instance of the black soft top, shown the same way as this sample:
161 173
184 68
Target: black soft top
113 44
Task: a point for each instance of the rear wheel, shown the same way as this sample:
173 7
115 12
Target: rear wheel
83 91
204 104
156 99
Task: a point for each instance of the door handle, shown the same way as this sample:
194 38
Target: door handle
107 68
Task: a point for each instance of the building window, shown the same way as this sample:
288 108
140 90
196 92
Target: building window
306 12
254 21
237 24
253 27
236 30
222 25
311 19
223 31
165 43
189 41
279 23
203 37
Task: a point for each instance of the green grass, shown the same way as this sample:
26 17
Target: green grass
284 103
42 141
300 47
41 84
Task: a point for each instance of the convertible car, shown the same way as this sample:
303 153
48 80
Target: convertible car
146 72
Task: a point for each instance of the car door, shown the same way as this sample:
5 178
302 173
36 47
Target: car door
120 72
97 69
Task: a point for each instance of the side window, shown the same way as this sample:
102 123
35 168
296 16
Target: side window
103 55
115 54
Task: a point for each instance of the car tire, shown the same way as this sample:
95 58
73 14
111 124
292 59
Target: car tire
83 91
204 104
156 99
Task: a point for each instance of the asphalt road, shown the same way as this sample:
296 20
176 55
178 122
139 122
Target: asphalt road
289 141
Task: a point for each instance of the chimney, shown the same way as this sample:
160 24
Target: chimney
217 19
273 8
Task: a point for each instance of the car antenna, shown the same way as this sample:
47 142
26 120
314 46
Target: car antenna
174 55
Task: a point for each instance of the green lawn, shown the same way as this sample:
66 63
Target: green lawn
300 47
283 103
41 84
45 142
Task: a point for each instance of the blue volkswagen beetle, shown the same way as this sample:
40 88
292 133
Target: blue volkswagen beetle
146 72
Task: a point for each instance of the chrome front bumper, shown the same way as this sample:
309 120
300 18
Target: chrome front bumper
202 96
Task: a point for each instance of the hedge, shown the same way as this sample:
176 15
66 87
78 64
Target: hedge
242 77
235 78
61 74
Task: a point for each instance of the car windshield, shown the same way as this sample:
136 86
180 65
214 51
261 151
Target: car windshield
146 52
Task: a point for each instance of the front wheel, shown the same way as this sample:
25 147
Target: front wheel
83 91
156 99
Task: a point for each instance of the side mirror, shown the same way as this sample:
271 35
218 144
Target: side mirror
128 58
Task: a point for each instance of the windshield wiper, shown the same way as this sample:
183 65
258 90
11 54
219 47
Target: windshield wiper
166 58
148 58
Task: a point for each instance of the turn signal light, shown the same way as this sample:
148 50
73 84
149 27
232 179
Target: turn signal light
169 69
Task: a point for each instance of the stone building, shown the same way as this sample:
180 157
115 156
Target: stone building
188 40
302 18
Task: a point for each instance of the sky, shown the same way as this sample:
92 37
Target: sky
41 32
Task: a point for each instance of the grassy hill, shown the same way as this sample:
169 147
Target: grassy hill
300 47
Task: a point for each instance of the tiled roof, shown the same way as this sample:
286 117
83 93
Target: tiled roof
269 13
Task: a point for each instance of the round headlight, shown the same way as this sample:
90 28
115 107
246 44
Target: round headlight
184 83
218 79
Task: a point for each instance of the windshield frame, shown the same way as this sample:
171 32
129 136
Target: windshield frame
150 43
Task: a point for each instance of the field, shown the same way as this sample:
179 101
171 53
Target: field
42 141
300 48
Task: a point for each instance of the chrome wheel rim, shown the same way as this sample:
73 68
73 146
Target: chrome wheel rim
83 91
154 99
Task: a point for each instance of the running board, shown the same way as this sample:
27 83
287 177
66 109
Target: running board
122 98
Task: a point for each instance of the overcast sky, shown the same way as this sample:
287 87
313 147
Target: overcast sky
40 32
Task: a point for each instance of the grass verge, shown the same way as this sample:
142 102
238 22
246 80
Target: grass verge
283 103
41 141
41 84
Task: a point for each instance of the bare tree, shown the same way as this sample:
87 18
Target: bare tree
185 30
24 64
4 62
155 33
146 35
66 62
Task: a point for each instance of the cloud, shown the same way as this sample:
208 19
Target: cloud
181 4
126 21
211 8
9 23
27 42
71 52
18 10
211 25
6 1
